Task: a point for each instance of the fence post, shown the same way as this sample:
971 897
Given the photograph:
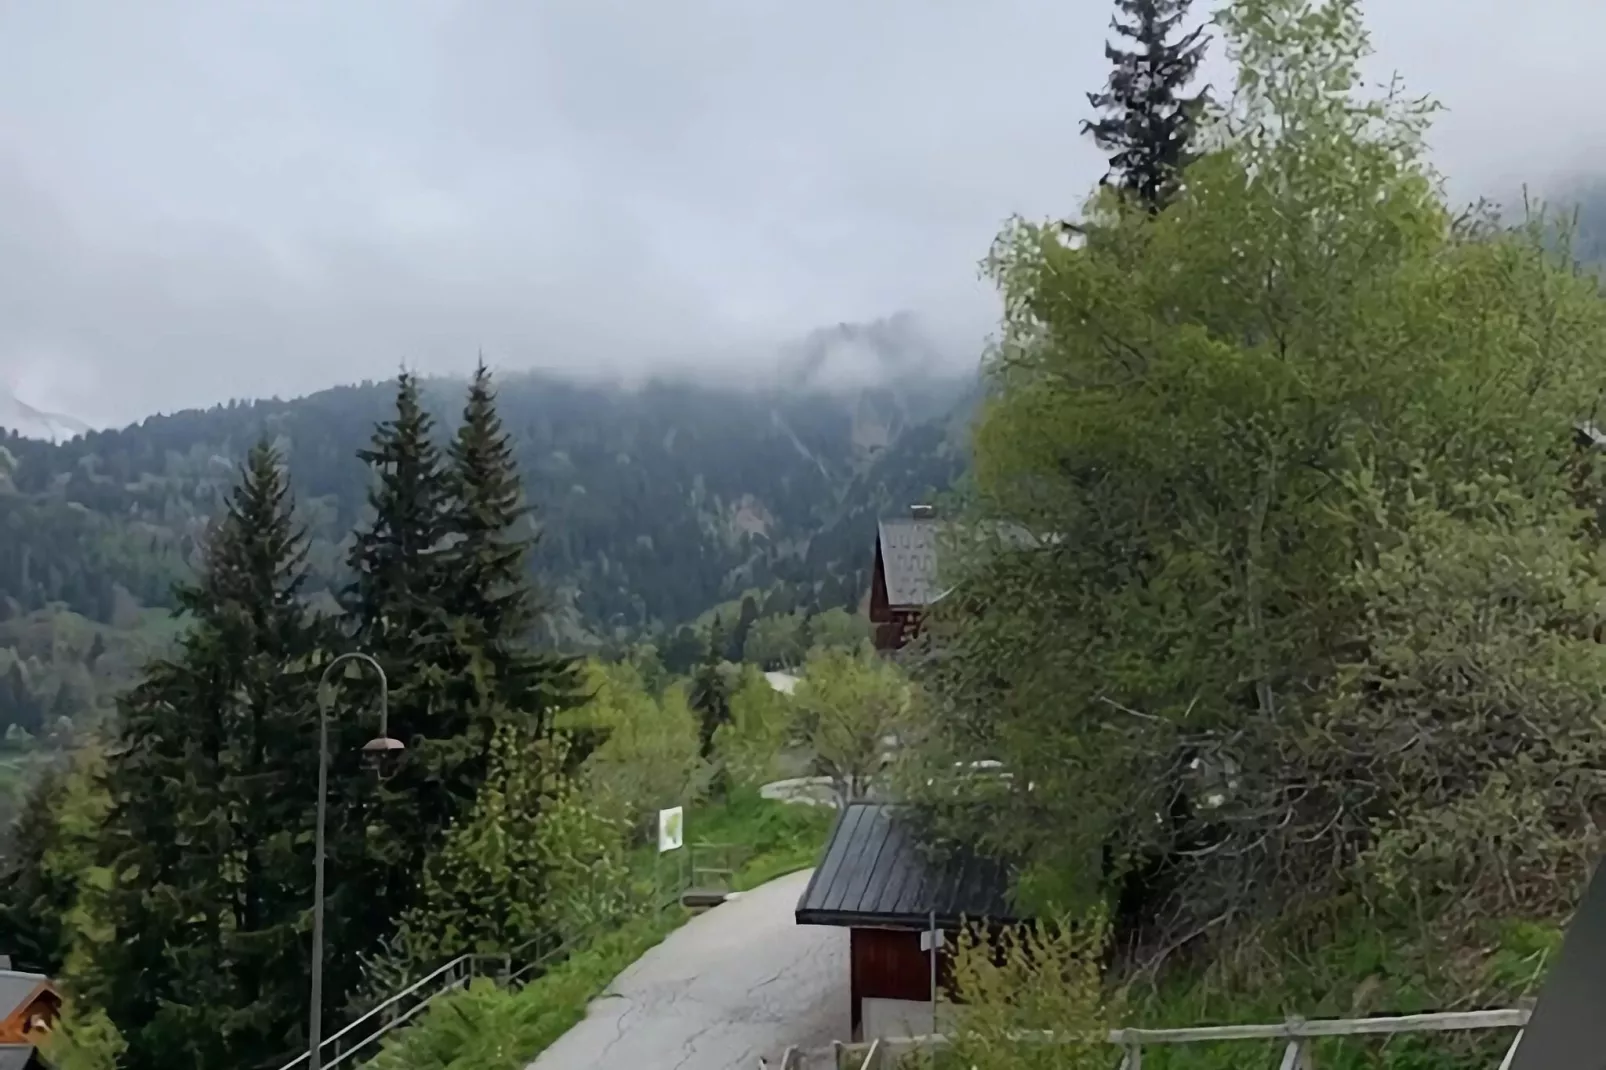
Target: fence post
1133 1059
1296 1056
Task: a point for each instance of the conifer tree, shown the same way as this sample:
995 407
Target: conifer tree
735 647
490 593
31 920
210 803
709 696
395 612
1149 122
395 560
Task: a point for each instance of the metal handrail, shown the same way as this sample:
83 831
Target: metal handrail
453 965
459 972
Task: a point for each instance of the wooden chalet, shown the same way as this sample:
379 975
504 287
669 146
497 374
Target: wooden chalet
29 1007
904 583
874 880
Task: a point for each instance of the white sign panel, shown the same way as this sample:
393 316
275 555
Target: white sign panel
671 829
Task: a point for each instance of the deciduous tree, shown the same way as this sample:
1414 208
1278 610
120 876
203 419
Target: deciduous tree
1256 437
850 707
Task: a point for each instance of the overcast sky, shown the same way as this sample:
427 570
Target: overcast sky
220 198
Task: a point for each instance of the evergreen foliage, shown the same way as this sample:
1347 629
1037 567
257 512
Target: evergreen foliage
395 611
207 835
710 695
1149 125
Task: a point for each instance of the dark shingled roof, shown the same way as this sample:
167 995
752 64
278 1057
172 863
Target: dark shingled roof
873 874
909 559
19 1057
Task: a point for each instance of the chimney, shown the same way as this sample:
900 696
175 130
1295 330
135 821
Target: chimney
922 512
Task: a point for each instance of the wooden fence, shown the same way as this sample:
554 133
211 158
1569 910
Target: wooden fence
1296 1034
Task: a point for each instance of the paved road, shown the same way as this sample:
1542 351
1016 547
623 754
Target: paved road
741 981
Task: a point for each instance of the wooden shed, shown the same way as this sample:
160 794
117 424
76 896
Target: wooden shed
29 1006
875 880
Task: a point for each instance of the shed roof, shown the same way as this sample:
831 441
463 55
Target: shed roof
19 1057
15 988
908 547
873 874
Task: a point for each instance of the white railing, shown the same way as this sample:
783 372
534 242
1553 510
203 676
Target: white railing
1296 1033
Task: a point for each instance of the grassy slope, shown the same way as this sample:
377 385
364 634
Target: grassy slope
1357 967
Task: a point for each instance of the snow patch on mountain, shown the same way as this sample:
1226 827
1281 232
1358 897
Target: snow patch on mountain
19 416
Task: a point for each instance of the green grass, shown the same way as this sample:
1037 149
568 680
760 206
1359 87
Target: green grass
492 1028
779 838
1363 966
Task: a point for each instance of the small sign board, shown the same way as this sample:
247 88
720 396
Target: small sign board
671 829
931 940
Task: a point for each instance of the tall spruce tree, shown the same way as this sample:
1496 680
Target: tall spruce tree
490 593
207 834
395 611
1149 123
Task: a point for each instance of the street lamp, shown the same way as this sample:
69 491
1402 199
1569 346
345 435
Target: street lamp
378 748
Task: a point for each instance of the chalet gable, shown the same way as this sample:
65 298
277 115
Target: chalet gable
29 1004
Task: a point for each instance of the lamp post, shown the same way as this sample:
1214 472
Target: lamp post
378 747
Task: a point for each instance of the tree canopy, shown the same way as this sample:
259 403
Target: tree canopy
1318 578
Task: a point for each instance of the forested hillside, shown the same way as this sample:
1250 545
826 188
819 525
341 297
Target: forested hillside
654 504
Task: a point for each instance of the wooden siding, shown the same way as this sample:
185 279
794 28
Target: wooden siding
889 964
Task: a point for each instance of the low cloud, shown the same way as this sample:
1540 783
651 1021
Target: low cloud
201 201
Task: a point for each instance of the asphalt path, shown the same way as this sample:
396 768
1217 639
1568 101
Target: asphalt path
737 983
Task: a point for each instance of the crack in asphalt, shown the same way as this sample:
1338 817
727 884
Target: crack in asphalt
719 993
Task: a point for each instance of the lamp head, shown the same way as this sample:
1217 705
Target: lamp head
382 753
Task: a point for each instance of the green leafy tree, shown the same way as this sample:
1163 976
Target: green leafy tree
748 747
837 629
1250 442
776 642
850 706
1150 123
528 862
649 758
